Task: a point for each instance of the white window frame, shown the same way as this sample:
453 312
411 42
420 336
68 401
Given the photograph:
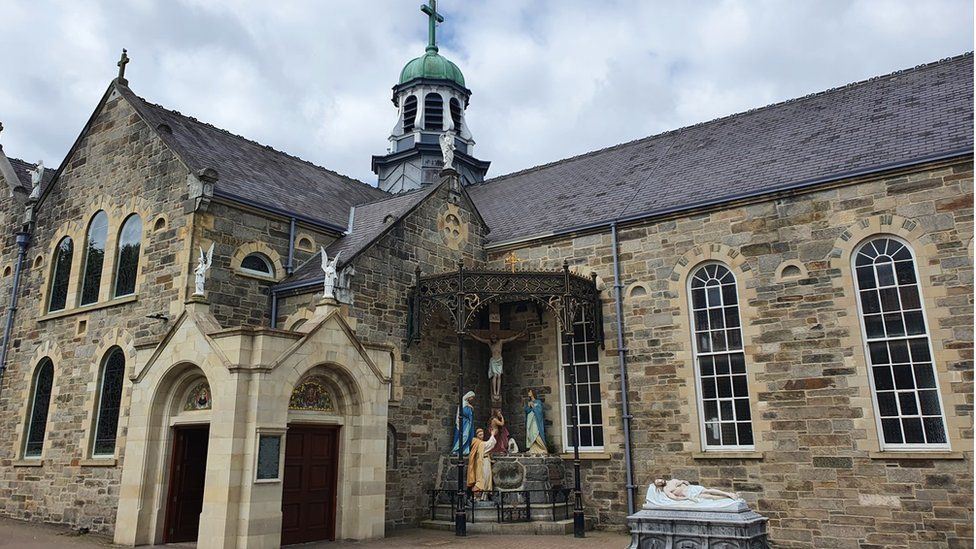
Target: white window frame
270 274
567 442
865 342
699 397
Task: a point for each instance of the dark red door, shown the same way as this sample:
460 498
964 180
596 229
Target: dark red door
188 473
308 495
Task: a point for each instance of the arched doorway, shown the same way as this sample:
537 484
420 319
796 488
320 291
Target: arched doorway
190 436
322 403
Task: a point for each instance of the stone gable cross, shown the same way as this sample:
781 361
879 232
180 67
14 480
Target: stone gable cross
123 61
433 18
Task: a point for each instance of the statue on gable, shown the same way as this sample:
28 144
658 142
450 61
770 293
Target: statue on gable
36 175
535 426
200 273
447 149
331 273
463 424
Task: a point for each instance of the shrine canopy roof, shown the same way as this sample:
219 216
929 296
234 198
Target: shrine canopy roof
462 294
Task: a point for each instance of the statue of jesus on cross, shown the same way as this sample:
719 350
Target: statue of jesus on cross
496 343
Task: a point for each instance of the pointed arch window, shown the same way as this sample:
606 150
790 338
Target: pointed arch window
902 373
409 113
61 274
109 400
127 262
94 257
456 114
720 363
433 112
40 404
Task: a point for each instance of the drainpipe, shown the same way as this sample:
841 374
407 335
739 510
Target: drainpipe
23 242
291 248
274 308
622 360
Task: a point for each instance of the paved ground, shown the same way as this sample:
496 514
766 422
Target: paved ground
20 535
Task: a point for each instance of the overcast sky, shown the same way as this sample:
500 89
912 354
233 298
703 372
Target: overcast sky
550 79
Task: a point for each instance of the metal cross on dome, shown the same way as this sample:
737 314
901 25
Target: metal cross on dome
433 18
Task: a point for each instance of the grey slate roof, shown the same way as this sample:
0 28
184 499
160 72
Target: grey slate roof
21 168
899 118
255 172
369 224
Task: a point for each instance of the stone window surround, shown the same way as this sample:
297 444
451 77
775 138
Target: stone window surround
679 282
923 246
50 351
699 400
938 389
780 277
78 232
302 235
123 340
263 249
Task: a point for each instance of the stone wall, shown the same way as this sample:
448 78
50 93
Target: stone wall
817 471
239 298
425 373
120 167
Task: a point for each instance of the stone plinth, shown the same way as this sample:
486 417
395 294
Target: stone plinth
516 472
687 529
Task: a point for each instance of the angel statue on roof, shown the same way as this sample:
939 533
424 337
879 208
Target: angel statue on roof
447 149
331 273
203 265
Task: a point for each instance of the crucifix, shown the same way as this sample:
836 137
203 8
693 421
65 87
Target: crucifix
495 338
433 18
123 61
512 260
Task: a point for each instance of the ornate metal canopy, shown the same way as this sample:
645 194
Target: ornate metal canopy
462 294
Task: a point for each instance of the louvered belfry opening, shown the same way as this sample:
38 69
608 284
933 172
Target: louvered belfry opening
433 112
456 114
409 113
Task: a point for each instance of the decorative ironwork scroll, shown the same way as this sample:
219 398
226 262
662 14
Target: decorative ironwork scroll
462 294
312 394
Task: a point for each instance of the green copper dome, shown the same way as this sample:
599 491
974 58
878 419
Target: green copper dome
432 65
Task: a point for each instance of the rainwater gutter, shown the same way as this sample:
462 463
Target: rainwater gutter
622 361
23 242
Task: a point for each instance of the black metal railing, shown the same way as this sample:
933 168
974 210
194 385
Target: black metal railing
510 505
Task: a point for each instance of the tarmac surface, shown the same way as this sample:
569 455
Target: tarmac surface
23 535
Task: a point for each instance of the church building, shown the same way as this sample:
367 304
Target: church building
777 303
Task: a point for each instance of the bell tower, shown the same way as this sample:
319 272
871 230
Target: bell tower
431 99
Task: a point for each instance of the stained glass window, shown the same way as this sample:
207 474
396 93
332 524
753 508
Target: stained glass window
269 456
723 395
312 394
109 398
61 274
94 258
199 397
906 391
130 240
40 404
586 366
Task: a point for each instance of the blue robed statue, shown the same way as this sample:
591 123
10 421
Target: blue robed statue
464 425
535 426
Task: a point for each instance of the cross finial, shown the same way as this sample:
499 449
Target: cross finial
123 61
433 18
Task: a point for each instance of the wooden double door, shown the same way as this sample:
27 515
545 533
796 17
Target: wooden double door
188 472
308 495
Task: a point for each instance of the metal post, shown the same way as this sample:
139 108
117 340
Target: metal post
579 524
460 516
569 329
